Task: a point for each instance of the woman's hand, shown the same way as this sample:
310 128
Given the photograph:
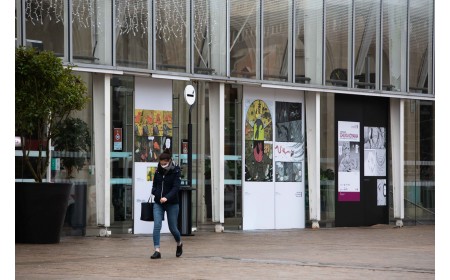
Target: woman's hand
163 199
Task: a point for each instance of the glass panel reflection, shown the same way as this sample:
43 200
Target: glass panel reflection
210 37
243 38
420 45
338 35
308 44
132 33
45 25
367 23
170 28
89 28
394 45
276 34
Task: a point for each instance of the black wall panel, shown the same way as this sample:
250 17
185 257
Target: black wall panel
369 112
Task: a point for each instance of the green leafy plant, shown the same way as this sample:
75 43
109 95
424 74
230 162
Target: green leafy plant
46 93
74 139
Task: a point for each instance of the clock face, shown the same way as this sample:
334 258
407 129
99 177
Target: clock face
189 94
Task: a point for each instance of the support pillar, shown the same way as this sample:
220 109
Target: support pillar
102 144
217 138
397 151
312 105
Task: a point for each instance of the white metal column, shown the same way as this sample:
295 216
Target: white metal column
312 110
217 142
397 150
102 146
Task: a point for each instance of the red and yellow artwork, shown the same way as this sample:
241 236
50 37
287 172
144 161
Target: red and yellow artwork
258 124
167 124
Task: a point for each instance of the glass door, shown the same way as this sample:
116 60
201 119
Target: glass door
122 90
233 157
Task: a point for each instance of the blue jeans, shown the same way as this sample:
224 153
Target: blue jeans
172 217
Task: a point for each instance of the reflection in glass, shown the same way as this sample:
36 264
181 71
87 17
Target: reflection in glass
210 37
170 28
366 33
45 25
132 33
81 208
308 44
420 162
338 34
394 45
122 116
233 159
243 38
276 47
89 32
327 158
420 45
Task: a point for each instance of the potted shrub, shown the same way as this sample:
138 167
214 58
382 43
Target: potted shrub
46 93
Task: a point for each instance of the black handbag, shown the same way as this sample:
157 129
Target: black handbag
147 210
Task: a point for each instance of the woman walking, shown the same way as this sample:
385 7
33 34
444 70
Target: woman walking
166 185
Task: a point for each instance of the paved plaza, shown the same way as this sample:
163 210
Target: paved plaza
377 252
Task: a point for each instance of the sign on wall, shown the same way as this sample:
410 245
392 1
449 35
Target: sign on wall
348 161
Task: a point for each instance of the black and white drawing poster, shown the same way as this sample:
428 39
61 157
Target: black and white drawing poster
374 151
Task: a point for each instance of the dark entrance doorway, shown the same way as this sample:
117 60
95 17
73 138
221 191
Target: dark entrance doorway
361 144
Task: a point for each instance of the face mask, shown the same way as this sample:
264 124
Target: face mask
165 165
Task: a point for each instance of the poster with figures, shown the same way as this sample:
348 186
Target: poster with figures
348 161
153 134
289 142
374 151
258 141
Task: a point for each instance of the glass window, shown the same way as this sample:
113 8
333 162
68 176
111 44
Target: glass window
394 45
420 45
73 160
90 25
338 36
243 38
45 25
233 157
170 28
367 30
210 37
327 158
121 160
276 40
308 44
132 33
419 161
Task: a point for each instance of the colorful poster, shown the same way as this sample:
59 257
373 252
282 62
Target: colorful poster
153 134
348 161
258 144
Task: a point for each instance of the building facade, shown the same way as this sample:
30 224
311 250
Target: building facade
307 113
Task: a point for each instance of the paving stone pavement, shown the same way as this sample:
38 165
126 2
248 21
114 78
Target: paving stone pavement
377 252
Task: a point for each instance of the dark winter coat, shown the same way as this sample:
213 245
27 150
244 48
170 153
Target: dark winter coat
166 183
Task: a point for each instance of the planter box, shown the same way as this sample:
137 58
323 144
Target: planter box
40 211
